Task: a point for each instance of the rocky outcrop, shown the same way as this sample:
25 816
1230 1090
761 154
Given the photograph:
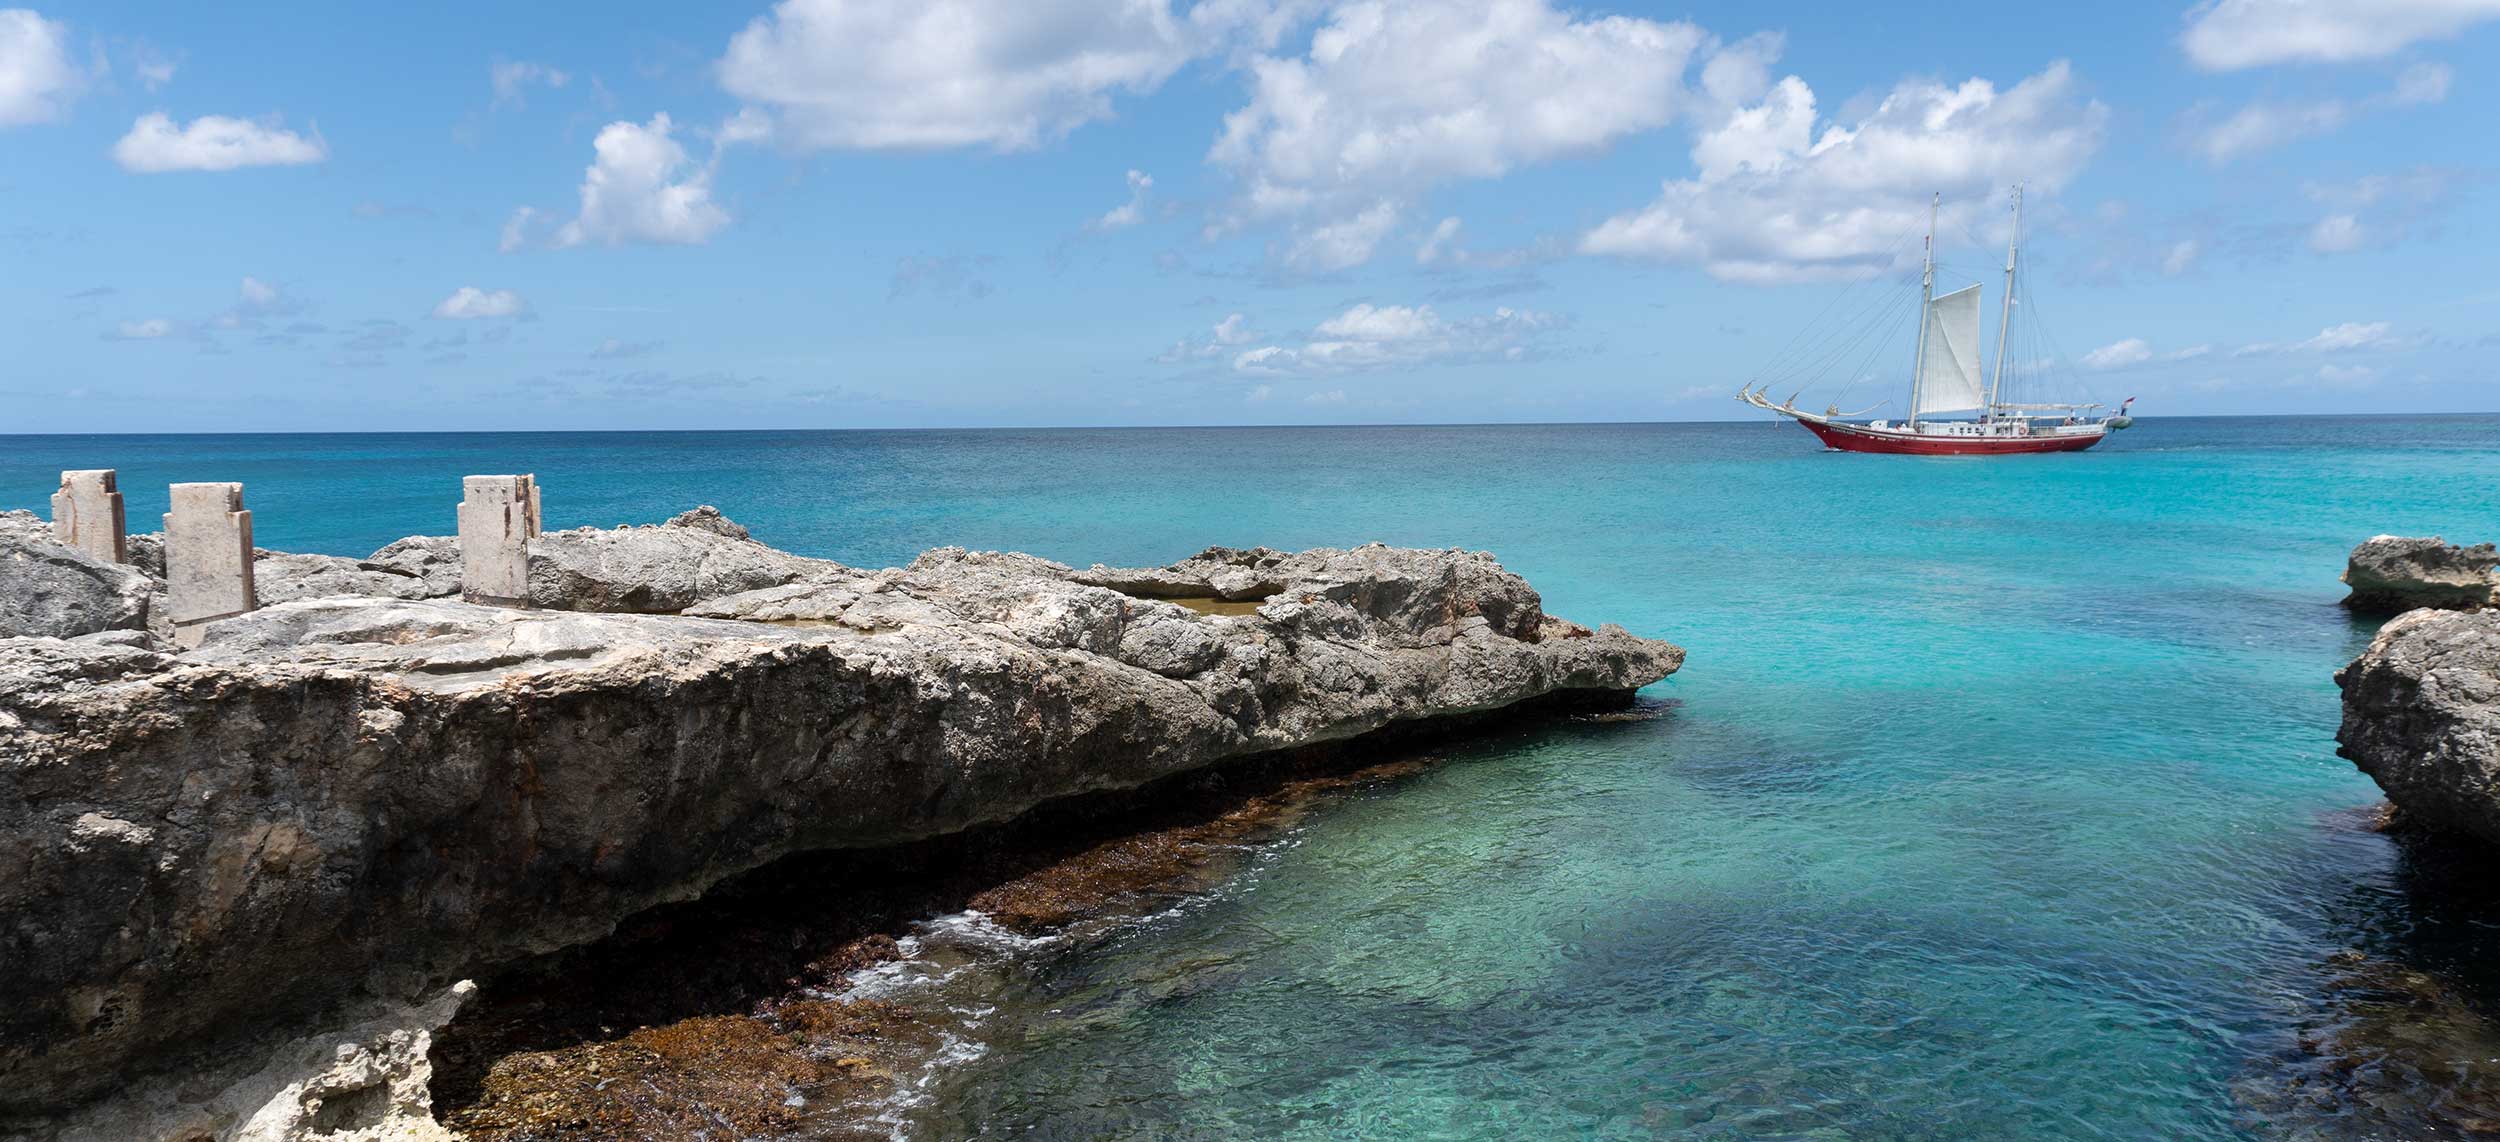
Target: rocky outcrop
697 556
48 588
2422 718
432 560
2392 573
342 802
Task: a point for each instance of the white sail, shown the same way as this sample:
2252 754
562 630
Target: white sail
1948 376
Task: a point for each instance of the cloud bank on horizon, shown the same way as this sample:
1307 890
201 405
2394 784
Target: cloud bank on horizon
1155 211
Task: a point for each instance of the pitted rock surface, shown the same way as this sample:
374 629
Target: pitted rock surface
352 800
2422 718
2393 573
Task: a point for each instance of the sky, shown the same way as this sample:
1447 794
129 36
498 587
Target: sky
898 213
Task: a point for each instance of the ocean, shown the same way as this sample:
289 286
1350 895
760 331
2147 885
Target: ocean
1998 797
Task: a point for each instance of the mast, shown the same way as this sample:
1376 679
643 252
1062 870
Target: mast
2005 316
1926 296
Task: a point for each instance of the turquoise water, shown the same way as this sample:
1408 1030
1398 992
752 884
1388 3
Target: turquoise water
1998 797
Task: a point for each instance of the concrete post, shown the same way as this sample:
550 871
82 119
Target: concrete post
498 517
87 514
208 558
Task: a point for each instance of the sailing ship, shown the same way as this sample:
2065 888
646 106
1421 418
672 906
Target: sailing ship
1946 378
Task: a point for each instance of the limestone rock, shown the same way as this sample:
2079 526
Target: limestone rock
281 578
345 801
2422 718
47 588
708 518
432 560
2391 573
657 570
367 1081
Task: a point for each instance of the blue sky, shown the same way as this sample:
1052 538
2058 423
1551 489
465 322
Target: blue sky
836 213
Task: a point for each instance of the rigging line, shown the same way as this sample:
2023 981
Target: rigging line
1802 360
1851 288
1883 328
1834 339
1884 346
1840 345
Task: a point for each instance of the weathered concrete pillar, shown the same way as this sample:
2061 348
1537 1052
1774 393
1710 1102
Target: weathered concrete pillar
208 558
498 517
87 514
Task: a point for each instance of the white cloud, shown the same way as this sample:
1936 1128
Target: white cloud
1344 243
878 74
1370 336
1128 213
212 143
2119 355
642 188
512 80
1228 334
1441 243
2336 234
1392 99
2347 376
155 71
2227 35
2349 335
1775 200
2182 257
37 79
2135 351
470 303
2264 126
516 230
258 293
152 329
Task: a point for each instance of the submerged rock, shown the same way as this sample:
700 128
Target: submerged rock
2422 718
51 589
2391 573
352 800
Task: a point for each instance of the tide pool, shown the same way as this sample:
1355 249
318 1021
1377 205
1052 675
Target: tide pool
1998 797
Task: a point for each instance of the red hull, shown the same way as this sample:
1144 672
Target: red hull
1848 438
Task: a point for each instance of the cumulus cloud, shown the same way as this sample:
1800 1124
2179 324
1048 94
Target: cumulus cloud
469 303
1775 199
1367 337
2228 35
2380 210
37 79
512 79
2136 351
1393 99
1227 336
2264 125
1131 212
213 143
2118 355
641 187
918 74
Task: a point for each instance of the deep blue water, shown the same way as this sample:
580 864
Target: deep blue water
1999 798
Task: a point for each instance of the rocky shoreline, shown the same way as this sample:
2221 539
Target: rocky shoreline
2422 704
248 881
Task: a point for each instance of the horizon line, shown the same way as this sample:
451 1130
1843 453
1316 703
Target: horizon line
1131 427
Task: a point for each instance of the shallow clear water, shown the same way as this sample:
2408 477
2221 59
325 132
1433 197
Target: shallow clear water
1999 800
